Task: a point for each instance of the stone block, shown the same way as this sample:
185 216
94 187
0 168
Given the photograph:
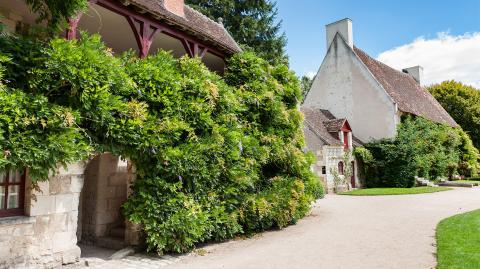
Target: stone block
64 203
72 169
72 221
71 255
42 224
23 230
59 185
44 188
76 183
43 206
63 241
59 221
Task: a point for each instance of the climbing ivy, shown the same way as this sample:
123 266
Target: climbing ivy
215 156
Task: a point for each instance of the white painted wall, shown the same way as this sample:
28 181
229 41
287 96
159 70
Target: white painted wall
346 88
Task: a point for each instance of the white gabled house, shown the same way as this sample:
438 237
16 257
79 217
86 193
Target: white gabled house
368 95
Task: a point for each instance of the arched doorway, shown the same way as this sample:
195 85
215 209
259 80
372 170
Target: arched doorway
101 222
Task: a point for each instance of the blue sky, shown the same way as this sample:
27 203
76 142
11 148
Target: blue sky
378 26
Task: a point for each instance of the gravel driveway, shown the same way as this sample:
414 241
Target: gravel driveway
346 232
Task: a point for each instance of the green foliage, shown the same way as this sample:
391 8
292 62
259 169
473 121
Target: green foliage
37 135
421 148
252 23
215 157
306 84
56 12
462 102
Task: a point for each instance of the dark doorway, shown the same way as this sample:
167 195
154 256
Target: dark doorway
353 181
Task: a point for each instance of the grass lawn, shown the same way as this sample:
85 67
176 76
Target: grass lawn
467 181
394 191
458 241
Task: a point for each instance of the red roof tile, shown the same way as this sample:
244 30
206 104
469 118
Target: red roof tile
409 95
325 126
194 22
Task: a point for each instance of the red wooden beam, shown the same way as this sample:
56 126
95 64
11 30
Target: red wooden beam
147 28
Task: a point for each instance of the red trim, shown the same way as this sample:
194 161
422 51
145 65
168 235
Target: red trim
147 29
345 139
14 211
346 127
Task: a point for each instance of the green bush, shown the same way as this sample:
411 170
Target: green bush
421 148
215 157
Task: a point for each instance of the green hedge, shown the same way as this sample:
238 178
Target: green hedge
421 148
215 157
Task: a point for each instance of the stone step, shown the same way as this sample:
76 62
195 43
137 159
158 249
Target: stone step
457 184
118 232
110 242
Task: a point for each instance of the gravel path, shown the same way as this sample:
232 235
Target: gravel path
347 232
342 232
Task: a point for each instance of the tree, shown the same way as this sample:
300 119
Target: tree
462 102
305 83
252 23
56 12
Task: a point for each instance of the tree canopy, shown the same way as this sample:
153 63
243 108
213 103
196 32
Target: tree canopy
56 12
251 23
462 102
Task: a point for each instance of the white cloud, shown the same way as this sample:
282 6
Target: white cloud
442 58
311 74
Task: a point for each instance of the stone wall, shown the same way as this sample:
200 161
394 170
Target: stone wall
46 236
104 193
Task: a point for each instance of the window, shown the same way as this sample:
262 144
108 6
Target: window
12 191
324 170
340 168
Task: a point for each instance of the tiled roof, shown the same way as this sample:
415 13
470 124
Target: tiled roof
194 22
319 121
409 95
334 125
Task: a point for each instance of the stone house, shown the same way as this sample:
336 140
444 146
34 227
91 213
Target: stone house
41 227
330 139
369 95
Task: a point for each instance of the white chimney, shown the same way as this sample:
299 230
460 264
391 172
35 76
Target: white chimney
343 27
175 6
416 72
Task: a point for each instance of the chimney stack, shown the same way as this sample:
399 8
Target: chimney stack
344 28
175 6
416 72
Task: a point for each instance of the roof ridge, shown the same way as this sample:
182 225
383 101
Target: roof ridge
201 14
381 63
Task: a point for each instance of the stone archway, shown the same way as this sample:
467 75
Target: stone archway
106 184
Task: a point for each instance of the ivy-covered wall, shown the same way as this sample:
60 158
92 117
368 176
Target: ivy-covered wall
215 157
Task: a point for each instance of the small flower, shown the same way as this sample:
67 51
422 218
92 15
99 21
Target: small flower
7 153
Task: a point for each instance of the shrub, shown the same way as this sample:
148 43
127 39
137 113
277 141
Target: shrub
214 157
421 148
